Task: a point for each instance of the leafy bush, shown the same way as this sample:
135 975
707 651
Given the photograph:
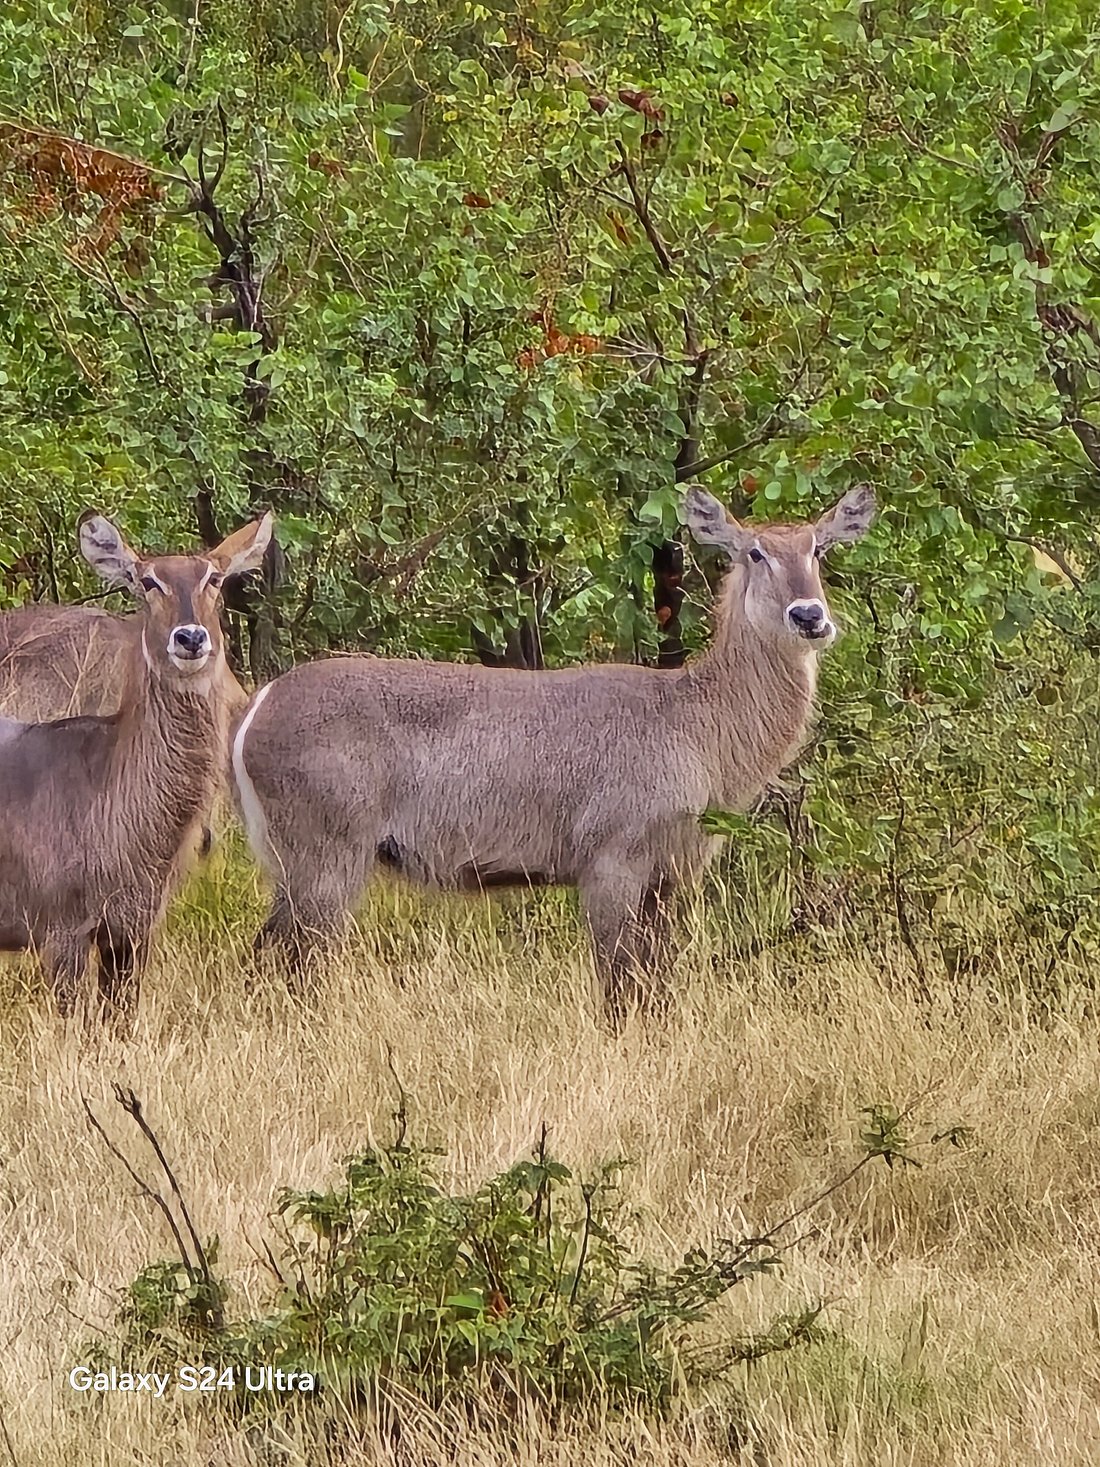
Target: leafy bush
524 1290
951 829
394 1293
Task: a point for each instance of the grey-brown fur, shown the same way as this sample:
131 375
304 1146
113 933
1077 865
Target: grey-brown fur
72 661
465 777
100 812
68 661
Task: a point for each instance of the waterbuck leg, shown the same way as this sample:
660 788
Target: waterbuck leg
656 916
310 916
613 896
278 930
121 958
65 959
300 929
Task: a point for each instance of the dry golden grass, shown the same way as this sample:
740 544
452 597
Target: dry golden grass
963 1326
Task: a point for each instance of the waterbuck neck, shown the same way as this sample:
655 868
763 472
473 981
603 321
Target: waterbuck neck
170 746
752 694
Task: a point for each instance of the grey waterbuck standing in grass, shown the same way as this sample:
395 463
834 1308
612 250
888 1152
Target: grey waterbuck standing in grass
463 777
100 813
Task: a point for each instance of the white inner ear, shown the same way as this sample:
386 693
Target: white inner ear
251 557
106 552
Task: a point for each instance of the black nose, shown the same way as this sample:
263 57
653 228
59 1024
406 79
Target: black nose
806 618
190 639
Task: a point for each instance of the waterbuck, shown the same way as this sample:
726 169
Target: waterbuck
62 661
462 777
100 812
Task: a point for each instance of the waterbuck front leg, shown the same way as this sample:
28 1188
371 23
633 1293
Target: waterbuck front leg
615 897
65 959
653 940
121 958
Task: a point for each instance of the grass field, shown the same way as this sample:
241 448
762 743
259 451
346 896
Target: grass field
964 1322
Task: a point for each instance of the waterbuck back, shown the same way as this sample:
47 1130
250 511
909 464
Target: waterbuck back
101 810
467 778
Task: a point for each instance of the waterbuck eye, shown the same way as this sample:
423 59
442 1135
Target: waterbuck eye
215 580
151 583
755 555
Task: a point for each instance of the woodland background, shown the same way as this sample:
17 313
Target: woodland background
467 291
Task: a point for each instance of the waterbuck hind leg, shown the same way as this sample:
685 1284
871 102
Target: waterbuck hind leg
297 941
278 929
310 915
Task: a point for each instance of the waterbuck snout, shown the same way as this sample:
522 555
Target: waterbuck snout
100 811
469 778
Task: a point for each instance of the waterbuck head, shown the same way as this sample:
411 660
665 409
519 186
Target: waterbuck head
784 597
178 595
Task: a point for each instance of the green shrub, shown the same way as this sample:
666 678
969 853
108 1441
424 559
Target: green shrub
525 1290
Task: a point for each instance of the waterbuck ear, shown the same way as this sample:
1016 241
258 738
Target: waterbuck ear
108 554
848 519
244 549
708 521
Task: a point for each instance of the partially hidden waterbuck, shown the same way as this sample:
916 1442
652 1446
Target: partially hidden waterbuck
101 812
463 777
64 661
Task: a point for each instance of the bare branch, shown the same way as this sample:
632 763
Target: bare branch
641 211
144 1189
132 1106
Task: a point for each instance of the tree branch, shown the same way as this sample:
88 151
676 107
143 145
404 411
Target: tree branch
1060 320
641 210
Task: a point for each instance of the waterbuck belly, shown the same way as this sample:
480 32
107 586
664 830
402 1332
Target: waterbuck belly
452 866
475 876
471 875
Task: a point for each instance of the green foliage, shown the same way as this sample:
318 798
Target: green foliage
962 826
390 1286
524 270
